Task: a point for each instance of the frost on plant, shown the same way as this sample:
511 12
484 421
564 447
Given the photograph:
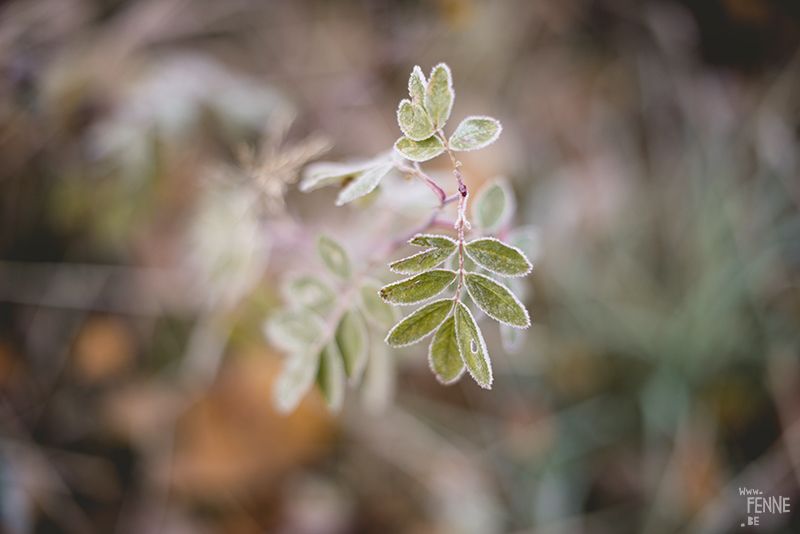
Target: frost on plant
331 331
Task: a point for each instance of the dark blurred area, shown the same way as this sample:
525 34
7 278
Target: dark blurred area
655 145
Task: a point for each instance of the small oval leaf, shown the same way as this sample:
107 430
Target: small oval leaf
497 257
443 355
312 293
439 95
472 347
351 338
421 261
419 150
377 311
331 376
364 183
496 301
295 380
333 256
494 205
417 288
438 241
419 324
414 121
294 331
416 85
474 133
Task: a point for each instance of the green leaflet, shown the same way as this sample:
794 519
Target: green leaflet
419 324
439 95
377 311
294 331
497 257
334 257
496 301
351 338
296 379
419 150
443 355
364 183
417 288
472 347
325 173
416 86
414 121
494 205
331 376
438 241
421 261
312 293
475 132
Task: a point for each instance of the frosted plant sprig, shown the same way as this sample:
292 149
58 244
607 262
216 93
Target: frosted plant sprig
327 330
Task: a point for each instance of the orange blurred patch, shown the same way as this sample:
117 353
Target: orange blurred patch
104 349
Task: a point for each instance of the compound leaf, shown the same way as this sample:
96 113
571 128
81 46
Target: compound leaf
414 121
378 312
417 288
439 95
334 257
294 331
419 324
416 86
438 241
496 301
474 133
364 183
331 376
296 379
472 347
443 355
421 261
312 293
497 257
351 338
419 150
495 204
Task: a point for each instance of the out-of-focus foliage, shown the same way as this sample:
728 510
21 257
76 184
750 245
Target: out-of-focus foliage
149 215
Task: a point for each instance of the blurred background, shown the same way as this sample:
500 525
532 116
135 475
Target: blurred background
653 143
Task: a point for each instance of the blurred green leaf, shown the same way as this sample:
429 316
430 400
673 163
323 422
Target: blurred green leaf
419 150
418 288
331 376
528 239
474 133
443 355
313 293
497 257
333 257
439 95
472 347
438 241
494 204
293 331
496 301
364 183
416 86
414 121
296 379
377 311
421 261
351 337
325 173
419 324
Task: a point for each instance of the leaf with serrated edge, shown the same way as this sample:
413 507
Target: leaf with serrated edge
417 288
351 337
414 121
472 347
377 311
474 133
312 293
419 150
416 85
498 257
363 184
422 261
439 95
295 380
333 257
443 355
438 241
494 204
325 173
496 301
331 376
419 324
293 331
